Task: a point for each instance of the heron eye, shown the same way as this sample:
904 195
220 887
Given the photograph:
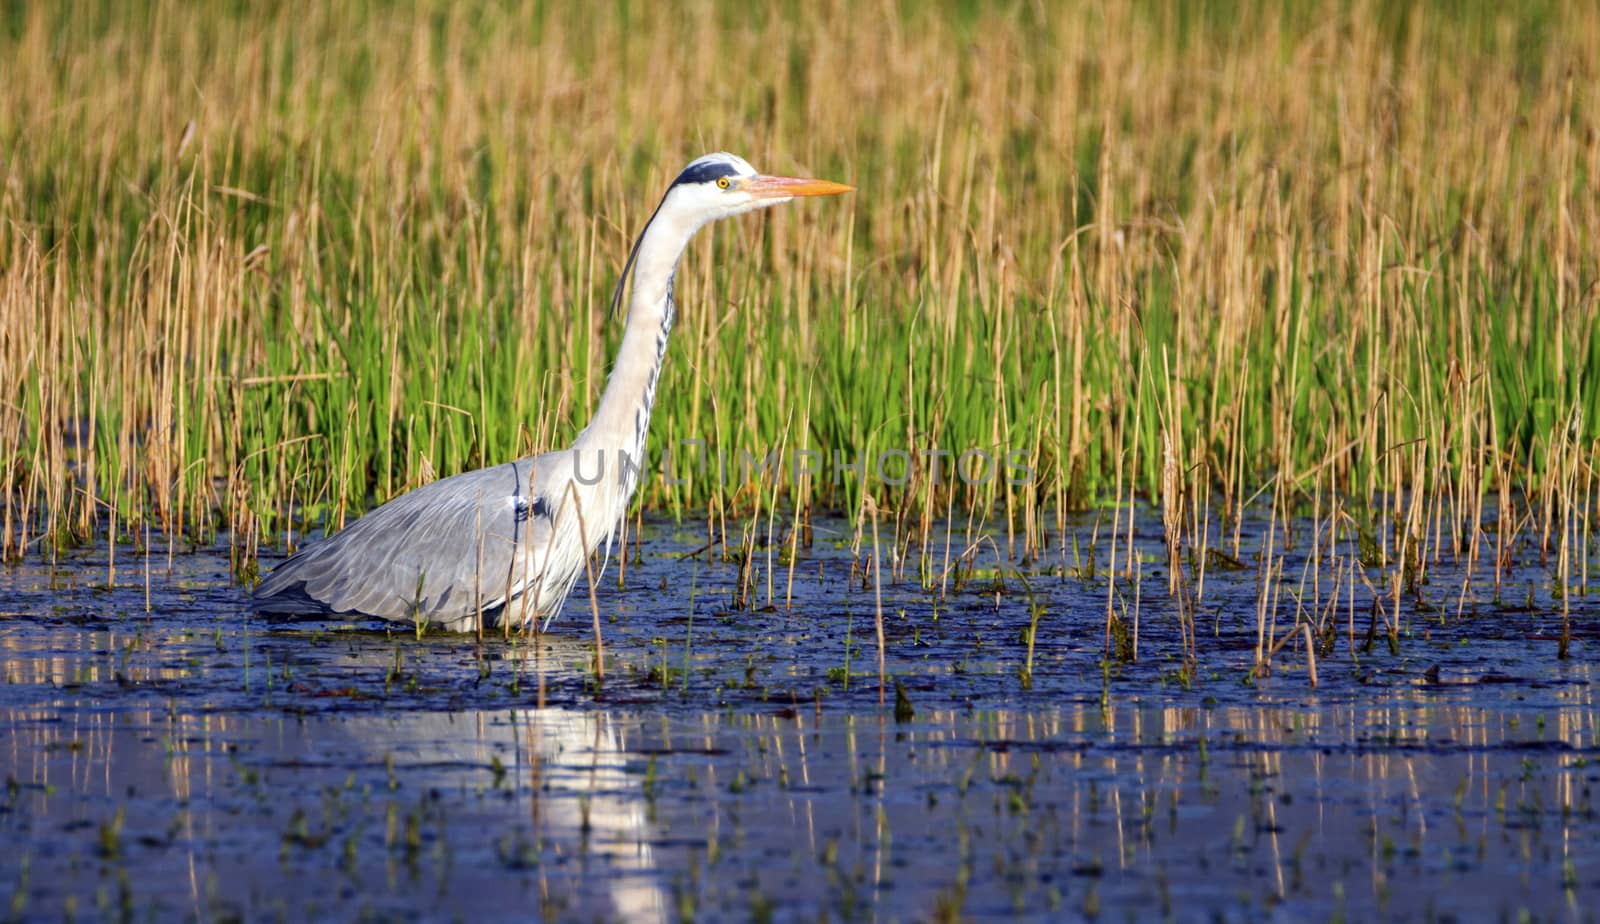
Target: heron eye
722 182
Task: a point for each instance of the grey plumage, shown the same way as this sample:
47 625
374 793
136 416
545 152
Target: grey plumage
445 552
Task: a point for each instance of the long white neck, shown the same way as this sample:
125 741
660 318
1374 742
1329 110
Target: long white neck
615 439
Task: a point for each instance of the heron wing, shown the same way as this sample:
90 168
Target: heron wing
446 552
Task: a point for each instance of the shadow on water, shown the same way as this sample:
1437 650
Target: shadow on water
194 762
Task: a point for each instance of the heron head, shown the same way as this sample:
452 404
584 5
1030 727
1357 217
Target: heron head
719 185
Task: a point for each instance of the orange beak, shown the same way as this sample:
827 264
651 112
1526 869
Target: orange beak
787 187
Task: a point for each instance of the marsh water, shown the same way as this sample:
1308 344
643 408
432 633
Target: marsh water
169 756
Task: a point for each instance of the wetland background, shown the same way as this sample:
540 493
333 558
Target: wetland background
1289 308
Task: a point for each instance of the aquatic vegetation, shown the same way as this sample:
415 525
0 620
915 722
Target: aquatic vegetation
308 258
390 775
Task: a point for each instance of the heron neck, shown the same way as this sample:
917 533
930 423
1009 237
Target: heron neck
622 419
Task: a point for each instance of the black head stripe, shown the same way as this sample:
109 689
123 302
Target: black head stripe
705 172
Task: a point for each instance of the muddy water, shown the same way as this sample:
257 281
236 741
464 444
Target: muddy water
168 757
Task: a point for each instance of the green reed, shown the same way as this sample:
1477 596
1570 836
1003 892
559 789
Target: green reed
264 268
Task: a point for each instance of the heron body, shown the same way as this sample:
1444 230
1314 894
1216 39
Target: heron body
506 543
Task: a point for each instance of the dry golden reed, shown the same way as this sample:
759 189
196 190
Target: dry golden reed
274 260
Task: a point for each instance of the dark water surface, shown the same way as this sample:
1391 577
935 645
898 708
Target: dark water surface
188 761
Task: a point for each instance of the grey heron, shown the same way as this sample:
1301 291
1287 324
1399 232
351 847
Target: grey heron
504 545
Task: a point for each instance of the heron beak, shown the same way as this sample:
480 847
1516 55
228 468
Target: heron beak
788 187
